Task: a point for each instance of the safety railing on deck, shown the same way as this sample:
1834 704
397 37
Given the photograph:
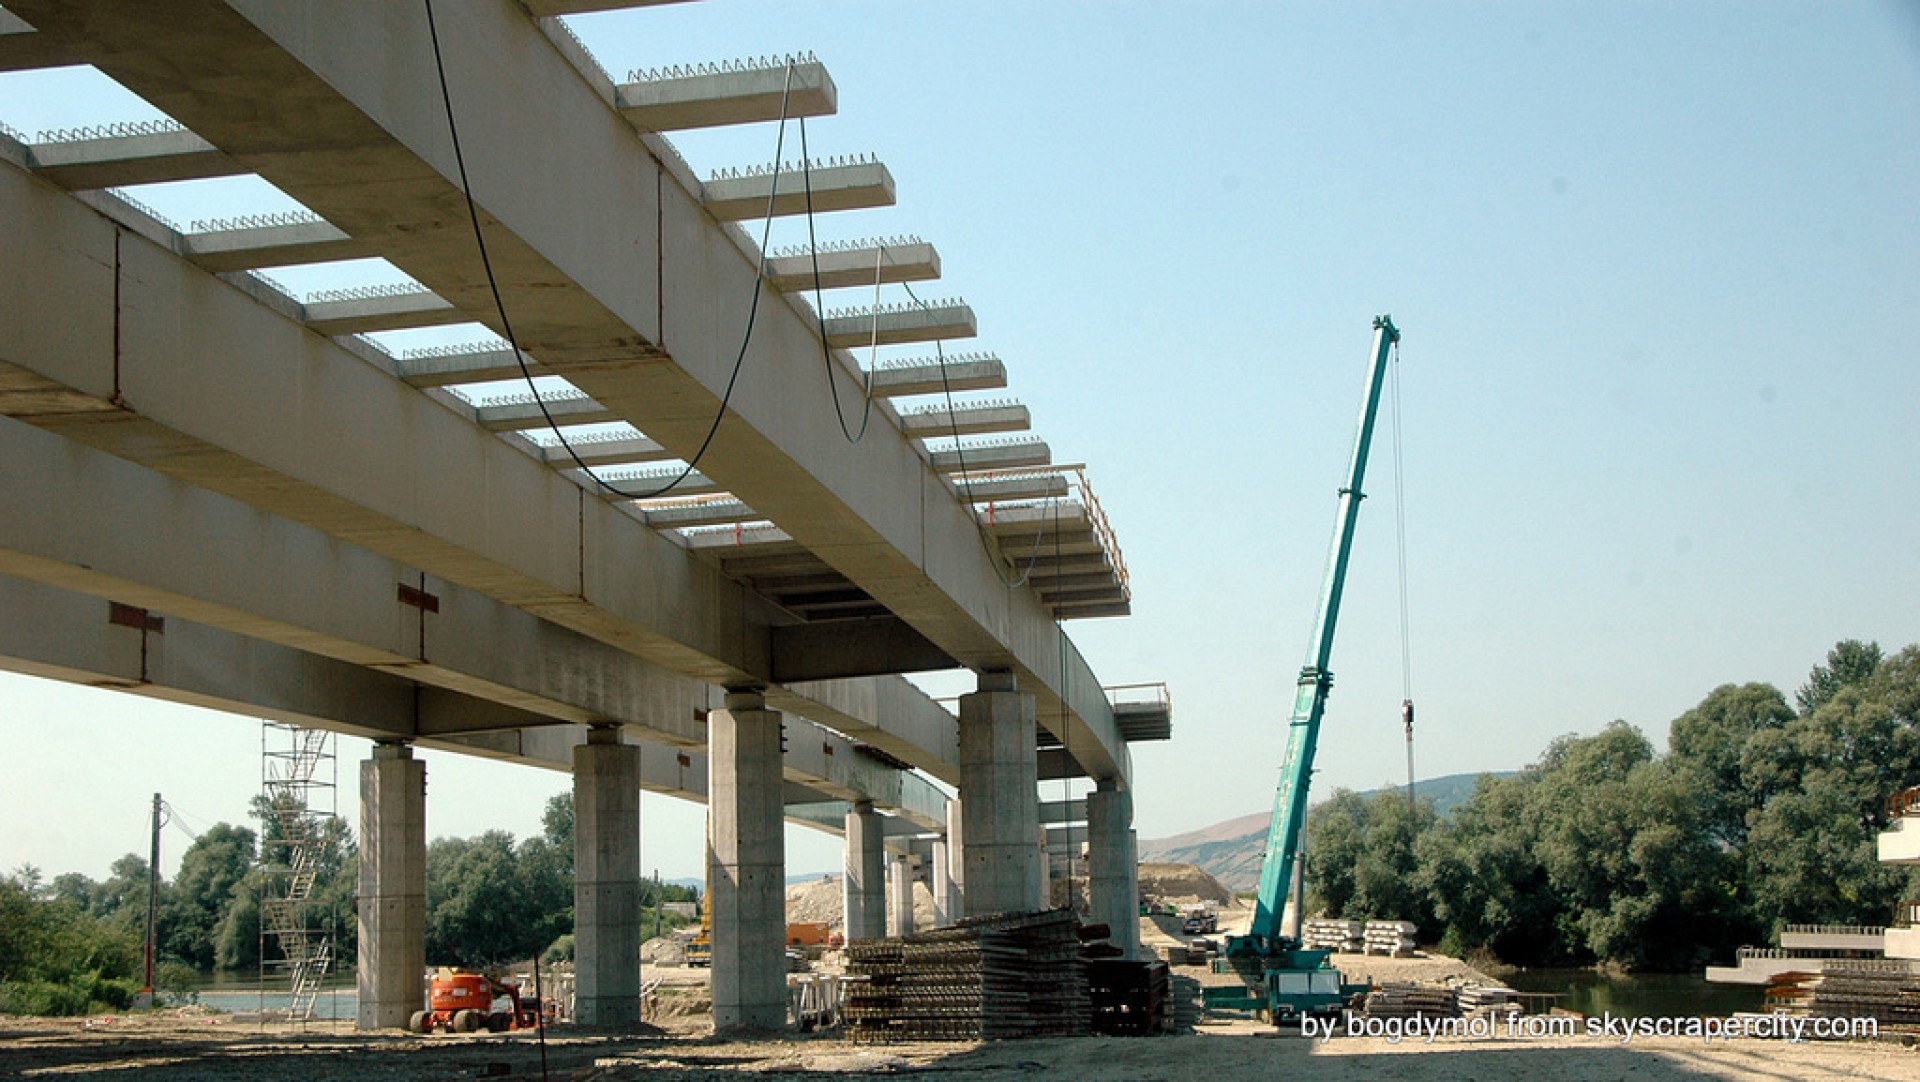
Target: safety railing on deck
1907 914
1150 694
1836 929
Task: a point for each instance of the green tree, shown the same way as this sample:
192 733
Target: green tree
57 959
482 906
1848 663
209 871
1729 747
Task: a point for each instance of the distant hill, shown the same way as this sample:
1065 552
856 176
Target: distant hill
1232 850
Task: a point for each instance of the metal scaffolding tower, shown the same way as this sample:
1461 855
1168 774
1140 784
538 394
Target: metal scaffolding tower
298 780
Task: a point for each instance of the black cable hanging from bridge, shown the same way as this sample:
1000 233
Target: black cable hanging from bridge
506 326
1400 530
826 352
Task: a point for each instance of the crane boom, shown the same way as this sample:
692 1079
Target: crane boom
1316 679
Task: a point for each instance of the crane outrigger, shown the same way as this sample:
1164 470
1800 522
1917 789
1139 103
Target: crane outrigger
1283 978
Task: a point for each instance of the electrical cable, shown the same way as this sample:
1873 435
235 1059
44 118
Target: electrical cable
1400 530
826 353
506 326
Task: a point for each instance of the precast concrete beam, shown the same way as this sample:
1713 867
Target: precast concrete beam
718 512
441 368
525 412
836 649
939 422
607 451
1037 486
709 98
859 264
917 729
125 160
859 186
239 249
993 455
338 114
900 324
381 312
21 49
1056 812
932 375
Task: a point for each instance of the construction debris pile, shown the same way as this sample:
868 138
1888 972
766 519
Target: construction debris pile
1012 975
1886 990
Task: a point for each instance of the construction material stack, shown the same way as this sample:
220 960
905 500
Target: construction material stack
1339 936
1487 999
1424 1001
1130 998
1886 990
1004 976
1393 938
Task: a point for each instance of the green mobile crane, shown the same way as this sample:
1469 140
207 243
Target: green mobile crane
1280 976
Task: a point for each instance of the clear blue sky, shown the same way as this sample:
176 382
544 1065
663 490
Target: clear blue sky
1653 263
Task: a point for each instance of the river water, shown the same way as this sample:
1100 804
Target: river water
1640 995
244 992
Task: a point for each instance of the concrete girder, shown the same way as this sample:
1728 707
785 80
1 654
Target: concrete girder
931 375
704 513
859 265
646 484
125 160
1037 486
615 451
21 49
939 422
88 522
524 413
996 455
381 312
860 186
714 98
550 8
899 326
479 365
270 246
333 134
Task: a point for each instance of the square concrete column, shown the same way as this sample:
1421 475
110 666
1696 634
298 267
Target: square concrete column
956 859
606 879
393 887
865 889
746 861
900 873
945 909
1000 805
1113 866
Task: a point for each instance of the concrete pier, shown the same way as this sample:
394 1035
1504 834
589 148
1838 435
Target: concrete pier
1113 865
865 895
747 864
393 886
900 874
946 898
606 879
1000 810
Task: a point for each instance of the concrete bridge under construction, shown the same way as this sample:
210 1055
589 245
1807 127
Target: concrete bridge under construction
221 493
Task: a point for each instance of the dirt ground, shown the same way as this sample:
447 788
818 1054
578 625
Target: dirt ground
196 1045
184 1047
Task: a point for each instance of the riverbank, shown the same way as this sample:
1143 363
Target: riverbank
196 1046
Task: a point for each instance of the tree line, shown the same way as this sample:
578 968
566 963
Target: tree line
1761 813
71 944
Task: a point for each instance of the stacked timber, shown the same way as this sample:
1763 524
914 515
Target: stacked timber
1393 938
1340 936
1011 975
1402 1000
1886 990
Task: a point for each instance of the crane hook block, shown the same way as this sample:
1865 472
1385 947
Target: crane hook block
1406 714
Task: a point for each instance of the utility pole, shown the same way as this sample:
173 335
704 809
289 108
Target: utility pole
153 901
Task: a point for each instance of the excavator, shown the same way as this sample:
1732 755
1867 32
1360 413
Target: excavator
1279 977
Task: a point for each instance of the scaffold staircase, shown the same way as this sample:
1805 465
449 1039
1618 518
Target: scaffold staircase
295 766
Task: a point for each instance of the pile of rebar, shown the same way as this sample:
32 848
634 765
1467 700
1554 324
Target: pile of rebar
1011 975
1399 1000
1885 990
